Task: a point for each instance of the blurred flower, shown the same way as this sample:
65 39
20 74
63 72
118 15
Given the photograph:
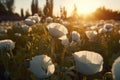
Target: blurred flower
17 34
3 31
20 28
65 23
116 69
91 35
119 32
102 30
6 45
93 27
57 30
75 38
29 22
49 19
42 66
59 20
36 18
88 62
108 27
26 28
17 26
65 41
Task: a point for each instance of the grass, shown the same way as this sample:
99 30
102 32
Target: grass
40 42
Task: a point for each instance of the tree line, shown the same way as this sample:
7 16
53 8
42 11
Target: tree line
7 11
106 14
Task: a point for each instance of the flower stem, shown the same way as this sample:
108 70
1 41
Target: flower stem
84 77
52 47
63 55
12 56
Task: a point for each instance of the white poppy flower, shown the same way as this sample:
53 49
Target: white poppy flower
75 39
65 23
19 27
36 14
116 69
41 66
109 27
88 62
75 36
29 22
3 31
49 19
57 30
65 41
102 30
30 17
17 34
26 28
91 35
7 45
36 18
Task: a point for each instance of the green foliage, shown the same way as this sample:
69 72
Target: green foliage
39 42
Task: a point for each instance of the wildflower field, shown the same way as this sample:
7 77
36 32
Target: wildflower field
59 49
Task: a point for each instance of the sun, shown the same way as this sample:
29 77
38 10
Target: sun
86 6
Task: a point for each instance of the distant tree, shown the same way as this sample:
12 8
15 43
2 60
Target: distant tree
6 6
46 10
63 13
75 12
51 8
106 14
40 13
22 13
6 11
9 5
34 7
27 14
2 9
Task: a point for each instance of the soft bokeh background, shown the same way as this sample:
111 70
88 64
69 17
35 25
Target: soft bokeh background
84 6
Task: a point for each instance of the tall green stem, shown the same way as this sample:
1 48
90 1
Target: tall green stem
84 77
52 48
63 55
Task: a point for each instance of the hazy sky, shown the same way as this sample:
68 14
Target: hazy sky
84 6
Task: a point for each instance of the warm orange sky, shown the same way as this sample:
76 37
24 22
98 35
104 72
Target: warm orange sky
84 6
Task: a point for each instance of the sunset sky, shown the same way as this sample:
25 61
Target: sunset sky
84 6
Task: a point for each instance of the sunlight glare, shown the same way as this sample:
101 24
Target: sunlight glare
86 6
